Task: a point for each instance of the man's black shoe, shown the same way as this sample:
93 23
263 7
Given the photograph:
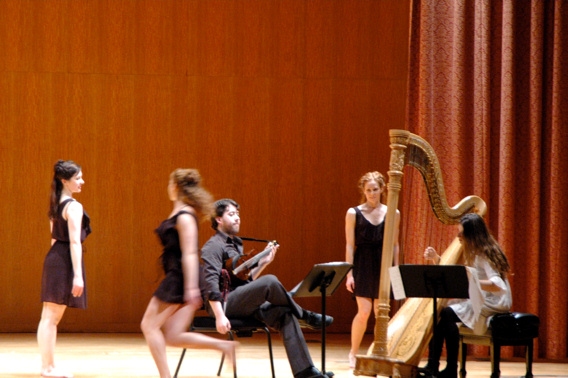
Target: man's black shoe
314 320
310 372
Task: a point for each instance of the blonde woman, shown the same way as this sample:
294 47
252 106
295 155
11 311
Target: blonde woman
364 229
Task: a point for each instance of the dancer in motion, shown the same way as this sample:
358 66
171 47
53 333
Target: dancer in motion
171 309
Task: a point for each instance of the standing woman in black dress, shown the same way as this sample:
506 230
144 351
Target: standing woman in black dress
63 279
173 305
364 230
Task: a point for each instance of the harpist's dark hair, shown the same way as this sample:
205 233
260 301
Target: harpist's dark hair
479 241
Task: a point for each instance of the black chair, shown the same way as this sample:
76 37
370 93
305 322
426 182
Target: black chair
509 329
242 327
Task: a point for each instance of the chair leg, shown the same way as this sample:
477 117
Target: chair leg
463 357
234 357
230 337
495 359
529 359
269 338
221 365
179 362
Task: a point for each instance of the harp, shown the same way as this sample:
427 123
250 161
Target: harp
400 342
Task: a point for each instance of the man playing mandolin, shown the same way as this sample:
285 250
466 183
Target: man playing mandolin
250 295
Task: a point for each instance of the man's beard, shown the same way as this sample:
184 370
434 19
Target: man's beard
233 230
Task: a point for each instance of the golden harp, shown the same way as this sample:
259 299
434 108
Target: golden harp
400 342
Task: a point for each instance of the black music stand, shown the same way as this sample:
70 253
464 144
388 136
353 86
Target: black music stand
430 281
326 277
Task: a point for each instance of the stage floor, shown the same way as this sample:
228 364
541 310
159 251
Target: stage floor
126 355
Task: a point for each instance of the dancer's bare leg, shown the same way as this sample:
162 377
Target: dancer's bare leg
359 326
176 331
168 324
155 316
51 315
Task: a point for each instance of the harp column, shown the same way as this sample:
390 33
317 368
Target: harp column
398 150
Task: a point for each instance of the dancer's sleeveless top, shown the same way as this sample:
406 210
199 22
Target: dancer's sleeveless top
367 256
172 286
57 277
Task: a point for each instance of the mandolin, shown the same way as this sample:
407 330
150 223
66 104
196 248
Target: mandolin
240 267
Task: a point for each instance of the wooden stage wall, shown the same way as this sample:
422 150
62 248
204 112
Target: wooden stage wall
281 105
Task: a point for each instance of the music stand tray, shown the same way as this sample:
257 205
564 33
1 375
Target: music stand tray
331 271
322 281
430 281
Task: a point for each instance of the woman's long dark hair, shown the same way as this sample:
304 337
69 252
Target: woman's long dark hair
479 241
62 170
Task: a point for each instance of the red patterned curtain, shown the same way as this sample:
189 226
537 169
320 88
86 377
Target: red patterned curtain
488 89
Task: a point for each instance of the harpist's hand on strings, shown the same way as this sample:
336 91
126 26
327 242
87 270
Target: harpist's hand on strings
430 254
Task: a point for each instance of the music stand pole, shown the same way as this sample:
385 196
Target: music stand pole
435 313
326 277
323 288
322 280
433 283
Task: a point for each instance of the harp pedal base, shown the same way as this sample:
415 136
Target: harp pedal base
373 365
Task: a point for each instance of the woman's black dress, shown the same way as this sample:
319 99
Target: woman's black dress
57 277
367 256
172 286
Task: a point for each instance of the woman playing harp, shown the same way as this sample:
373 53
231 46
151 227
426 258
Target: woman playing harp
482 252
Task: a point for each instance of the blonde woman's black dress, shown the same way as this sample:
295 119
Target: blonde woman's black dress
367 256
57 277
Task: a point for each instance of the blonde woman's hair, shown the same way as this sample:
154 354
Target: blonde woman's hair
370 176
